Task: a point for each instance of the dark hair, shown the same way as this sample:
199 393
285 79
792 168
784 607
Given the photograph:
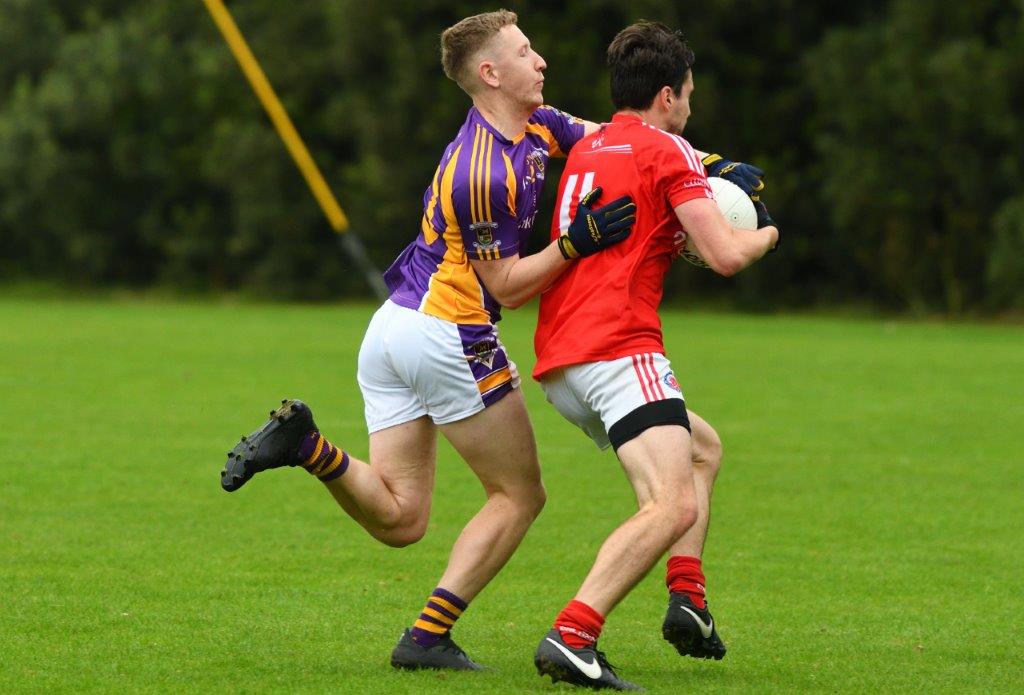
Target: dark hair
643 58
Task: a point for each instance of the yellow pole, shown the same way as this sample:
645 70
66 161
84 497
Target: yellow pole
279 117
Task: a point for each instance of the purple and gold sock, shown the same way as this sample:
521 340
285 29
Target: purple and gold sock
442 610
321 458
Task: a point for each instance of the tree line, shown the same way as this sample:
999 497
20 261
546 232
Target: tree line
133 153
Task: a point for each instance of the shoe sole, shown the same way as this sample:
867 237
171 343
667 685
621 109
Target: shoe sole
410 665
403 666
546 667
433 667
689 645
239 467
565 674
560 673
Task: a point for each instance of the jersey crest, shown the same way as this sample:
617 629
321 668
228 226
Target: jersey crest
535 162
484 233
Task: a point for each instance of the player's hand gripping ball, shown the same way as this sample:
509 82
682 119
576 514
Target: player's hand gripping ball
746 176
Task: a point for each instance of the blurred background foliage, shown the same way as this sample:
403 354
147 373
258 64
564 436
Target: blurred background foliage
133 153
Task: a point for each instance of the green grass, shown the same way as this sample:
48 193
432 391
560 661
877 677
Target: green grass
867 529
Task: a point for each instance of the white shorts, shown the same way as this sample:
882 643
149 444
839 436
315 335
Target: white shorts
412 364
613 401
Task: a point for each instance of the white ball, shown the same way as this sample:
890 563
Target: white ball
737 208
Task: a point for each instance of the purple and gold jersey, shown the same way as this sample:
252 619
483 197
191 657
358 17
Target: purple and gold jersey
480 205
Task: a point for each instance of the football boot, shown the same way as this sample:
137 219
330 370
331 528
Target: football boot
273 445
691 630
585 667
445 655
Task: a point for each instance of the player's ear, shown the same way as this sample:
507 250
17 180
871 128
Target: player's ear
665 97
487 72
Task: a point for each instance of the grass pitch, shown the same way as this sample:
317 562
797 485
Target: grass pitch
866 534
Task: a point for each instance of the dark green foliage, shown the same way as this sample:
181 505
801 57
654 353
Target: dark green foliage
132 151
918 125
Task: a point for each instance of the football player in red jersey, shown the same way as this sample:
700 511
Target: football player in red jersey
601 358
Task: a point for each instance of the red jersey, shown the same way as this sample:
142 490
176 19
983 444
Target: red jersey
606 305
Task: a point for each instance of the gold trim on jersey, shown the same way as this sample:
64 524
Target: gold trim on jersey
426 226
454 293
480 187
474 185
487 176
542 130
510 184
480 176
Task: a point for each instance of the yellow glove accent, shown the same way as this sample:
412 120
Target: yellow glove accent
568 250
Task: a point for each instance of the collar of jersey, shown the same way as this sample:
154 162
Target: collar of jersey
621 117
494 131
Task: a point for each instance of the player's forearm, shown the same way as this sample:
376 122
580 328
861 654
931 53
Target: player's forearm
530 275
747 247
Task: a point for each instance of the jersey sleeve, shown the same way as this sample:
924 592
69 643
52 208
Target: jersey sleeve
674 170
484 202
559 129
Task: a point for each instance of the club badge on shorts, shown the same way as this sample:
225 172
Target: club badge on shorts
483 351
670 380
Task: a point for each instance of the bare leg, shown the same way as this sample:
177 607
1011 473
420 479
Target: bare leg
707 459
658 466
498 445
390 498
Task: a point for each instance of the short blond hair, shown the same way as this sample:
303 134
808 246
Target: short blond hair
461 41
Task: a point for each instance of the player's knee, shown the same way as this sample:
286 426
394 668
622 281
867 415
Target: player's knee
669 518
528 501
402 534
684 517
538 497
400 538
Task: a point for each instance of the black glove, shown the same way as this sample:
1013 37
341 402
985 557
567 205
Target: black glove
592 230
765 220
746 176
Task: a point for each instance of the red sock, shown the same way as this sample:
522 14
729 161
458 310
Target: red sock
685 576
579 625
